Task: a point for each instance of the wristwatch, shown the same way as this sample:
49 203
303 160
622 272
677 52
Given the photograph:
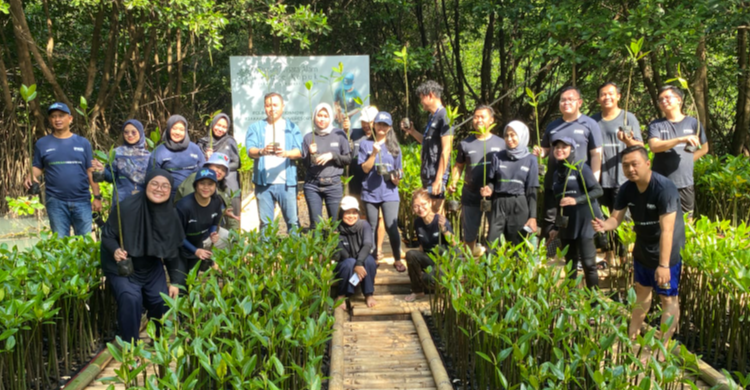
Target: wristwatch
98 197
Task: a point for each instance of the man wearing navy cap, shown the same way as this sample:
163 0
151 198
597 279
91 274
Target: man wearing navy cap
65 159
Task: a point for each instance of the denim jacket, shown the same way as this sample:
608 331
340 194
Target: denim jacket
256 138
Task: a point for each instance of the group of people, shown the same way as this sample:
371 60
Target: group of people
591 161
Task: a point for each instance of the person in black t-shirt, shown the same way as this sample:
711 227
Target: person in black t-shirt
433 231
437 143
654 204
353 253
200 214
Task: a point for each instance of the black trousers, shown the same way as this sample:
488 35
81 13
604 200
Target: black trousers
421 281
509 215
583 249
550 212
132 297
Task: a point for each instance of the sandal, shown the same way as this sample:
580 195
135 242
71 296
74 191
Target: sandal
399 266
602 265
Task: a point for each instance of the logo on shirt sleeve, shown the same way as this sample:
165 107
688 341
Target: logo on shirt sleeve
192 220
650 206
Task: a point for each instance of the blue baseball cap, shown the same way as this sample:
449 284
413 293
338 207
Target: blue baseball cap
205 173
566 140
57 106
384 117
349 79
218 159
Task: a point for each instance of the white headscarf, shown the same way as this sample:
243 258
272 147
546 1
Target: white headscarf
329 129
522 131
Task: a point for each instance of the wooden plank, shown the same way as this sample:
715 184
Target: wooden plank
441 377
337 351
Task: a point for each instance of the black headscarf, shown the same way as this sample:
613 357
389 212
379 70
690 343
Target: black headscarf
563 171
176 146
359 246
219 142
151 229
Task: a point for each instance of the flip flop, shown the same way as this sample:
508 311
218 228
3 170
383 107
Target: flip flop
399 266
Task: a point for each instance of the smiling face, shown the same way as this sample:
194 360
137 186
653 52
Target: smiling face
482 118
158 190
608 97
562 151
221 171
511 138
570 102
205 188
322 119
429 102
274 107
131 134
669 101
381 129
367 128
421 206
60 121
220 128
350 217
177 133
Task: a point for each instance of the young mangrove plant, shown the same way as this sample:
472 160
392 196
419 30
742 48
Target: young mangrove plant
634 55
402 57
535 103
600 239
28 94
684 84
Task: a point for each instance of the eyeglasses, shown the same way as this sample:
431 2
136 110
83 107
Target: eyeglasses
156 186
666 99
130 133
422 205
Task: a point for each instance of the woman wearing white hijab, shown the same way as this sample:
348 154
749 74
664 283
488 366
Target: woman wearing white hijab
325 152
513 183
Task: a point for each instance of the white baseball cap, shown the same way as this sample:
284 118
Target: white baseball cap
349 203
368 114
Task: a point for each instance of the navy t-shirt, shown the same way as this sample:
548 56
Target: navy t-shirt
676 164
197 220
579 222
428 235
432 147
355 185
180 164
514 177
376 188
65 162
661 197
334 142
584 131
471 152
612 175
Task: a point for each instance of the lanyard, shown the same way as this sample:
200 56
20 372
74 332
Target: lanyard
432 118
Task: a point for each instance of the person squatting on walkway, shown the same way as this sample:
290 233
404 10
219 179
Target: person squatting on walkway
353 253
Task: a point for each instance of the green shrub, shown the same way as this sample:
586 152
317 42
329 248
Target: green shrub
722 188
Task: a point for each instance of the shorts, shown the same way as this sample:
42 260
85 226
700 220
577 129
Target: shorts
646 277
687 200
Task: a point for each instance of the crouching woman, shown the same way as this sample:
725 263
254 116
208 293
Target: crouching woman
353 254
132 252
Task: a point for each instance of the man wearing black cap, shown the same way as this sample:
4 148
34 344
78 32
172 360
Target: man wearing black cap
65 160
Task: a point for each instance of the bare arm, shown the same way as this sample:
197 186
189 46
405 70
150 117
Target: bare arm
456 175
666 222
659 146
367 165
700 152
94 185
445 156
417 135
614 220
596 162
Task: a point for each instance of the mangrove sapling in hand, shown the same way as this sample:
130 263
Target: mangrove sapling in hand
268 76
310 95
684 84
28 94
600 239
485 205
125 265
535 103
451 203
402 57
209 119
634 55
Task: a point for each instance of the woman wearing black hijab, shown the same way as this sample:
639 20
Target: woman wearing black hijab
152 234
353 254
224 143
177 154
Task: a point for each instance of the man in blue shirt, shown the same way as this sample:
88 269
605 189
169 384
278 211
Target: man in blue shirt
273 143
65 159
654 205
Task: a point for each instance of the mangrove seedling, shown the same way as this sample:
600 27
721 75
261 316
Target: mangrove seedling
535 103
28 94
210 130
635 55
452 114
561 221
381 169
124 267
684 84
268 76
310 95
485 205
402 57
600 239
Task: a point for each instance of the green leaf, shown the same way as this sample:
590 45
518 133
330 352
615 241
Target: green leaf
32 96
83 103
279 366
530 93
309 85
485 357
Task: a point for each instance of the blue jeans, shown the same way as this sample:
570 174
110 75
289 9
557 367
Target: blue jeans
62 215
285 196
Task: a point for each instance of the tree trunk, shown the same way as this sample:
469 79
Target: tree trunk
142 66
700 84
504 76
178 82
95 43
24 61
20 20
742 129
646 73
9 106
486 71
250 49
50 38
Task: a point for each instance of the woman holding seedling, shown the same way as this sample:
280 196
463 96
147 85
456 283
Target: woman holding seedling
577 189
177 154
220 141
355 264
434 231
326 153
148 232
380 159
131 162
200 215
513 184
